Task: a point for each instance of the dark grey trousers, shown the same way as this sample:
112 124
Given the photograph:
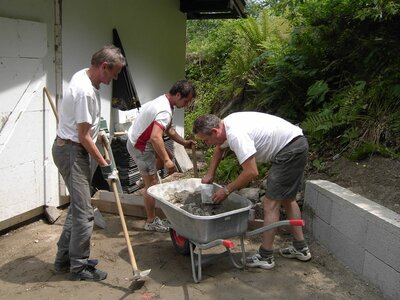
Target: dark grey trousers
73 163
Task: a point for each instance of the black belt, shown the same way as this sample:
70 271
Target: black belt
293 140
67 141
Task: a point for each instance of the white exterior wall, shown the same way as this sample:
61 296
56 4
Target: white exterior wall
153 36
28 179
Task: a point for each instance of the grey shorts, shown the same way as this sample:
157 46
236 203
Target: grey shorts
145 161
286 173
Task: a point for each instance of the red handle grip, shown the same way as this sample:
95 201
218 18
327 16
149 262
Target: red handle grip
228 244
296 222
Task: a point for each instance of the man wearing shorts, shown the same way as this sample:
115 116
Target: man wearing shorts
260 137
146 144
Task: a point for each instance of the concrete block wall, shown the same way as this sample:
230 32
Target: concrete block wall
362 234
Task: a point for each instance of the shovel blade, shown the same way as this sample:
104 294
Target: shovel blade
141 275
99 219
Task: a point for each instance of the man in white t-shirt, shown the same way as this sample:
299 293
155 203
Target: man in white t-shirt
260 137
146 144
78 128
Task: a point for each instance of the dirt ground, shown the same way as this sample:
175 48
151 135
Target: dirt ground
27 254
376 178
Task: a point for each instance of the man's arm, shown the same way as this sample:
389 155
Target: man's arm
86 140
156 139
215 160
249 172
171 132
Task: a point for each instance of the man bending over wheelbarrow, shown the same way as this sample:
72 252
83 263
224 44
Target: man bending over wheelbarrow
260 137
146 144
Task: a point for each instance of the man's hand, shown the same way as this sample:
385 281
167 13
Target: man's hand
113 177
189 143
207 179
219 196
106 170
169 166
109 174
103 139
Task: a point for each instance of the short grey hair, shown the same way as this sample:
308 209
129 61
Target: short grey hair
109 54
204 124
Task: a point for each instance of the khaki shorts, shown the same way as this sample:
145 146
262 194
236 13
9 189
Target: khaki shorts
145 161
286 173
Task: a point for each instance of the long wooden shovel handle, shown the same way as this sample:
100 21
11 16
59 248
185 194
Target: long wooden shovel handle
121 216
53 107
194 158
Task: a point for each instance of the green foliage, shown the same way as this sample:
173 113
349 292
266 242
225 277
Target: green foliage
332 66
318 164
228 170
318 125
316 92
263 169
378 10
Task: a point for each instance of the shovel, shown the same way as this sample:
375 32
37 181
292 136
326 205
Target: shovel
194 158
137 274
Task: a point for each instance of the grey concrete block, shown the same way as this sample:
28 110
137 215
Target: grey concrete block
182 158
362 234
347 219
324 208
308 216
383 244
386 218
347 251
322 231
329 189
310 195
382 275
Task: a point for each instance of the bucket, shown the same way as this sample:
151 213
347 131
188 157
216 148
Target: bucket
207 190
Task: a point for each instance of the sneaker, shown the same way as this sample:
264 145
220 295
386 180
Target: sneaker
256 260
63 267
291 252
88 273
139 183
156 225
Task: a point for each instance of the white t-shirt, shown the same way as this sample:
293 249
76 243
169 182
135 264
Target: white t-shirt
257 133
157 112
80 104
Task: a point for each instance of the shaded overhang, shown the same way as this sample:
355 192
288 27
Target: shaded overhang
213 9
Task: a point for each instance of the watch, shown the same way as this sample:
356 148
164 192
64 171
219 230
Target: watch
226 190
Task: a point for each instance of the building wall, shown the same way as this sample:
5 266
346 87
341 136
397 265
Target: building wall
153 36
27 127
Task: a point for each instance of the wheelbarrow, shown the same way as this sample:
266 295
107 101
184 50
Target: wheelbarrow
190 231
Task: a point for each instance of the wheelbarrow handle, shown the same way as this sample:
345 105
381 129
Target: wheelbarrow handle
296 222
274 225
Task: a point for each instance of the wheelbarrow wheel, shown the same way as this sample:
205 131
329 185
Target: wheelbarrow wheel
181 244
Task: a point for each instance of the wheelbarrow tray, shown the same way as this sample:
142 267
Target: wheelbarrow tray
202 229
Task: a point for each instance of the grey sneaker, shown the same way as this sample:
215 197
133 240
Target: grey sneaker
291 252
156 225
257 261
88 273
139 183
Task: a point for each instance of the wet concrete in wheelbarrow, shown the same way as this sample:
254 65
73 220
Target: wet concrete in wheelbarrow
27 254
192 203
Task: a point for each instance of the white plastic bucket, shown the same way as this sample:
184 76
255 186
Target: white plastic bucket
207 190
